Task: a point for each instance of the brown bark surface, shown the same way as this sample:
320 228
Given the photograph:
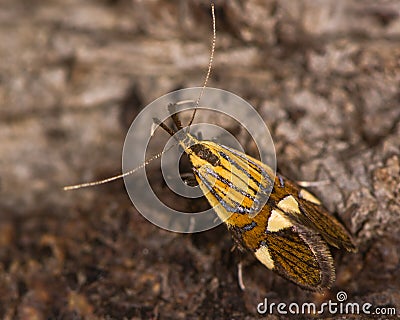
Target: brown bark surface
324 75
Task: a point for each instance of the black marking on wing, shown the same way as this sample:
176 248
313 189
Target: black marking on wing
205 153
256 167
229 183
249 226
240 168
265 184
237 208
261 195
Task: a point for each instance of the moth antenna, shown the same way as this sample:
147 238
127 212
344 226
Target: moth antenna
209 64
119 176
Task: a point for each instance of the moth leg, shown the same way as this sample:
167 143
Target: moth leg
189 179
243 260
199 135
240 276
323 169
310 183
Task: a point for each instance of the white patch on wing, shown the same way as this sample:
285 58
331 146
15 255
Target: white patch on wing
289 204
277 221
262 254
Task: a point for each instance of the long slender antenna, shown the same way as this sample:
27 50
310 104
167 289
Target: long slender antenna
122 175
209 64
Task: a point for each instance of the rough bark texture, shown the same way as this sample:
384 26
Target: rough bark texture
73 74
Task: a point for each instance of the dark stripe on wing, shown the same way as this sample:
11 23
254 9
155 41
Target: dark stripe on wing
255 166
302 257
236 208
229 183
242 169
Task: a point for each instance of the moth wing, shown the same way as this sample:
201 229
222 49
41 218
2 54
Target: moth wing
330 229
304 209
299 255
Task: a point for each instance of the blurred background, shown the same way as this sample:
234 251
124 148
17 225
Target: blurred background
324 75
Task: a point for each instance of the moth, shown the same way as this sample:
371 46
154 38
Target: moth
289 234
283 225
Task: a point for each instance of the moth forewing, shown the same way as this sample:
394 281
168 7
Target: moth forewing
235 181
289 232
